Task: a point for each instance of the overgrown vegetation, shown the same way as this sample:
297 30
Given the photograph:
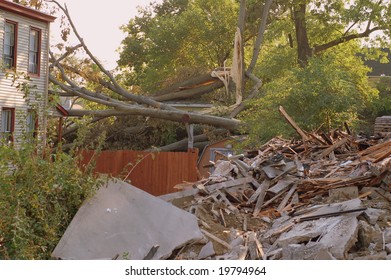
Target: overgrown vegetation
40 192
330 90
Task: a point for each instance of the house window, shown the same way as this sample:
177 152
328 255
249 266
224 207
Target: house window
32 123
9 55
34 51
7 124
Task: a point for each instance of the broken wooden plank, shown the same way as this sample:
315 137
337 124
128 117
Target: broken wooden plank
209 188
291 166
151 253
273 199
271 172
330 149
281 185
261 198
374 148
260 188
286 198
293 124
215 238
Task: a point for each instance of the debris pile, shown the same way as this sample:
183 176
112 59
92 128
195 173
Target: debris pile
327 196
324 197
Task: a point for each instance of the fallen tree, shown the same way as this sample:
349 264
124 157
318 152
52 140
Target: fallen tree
116 100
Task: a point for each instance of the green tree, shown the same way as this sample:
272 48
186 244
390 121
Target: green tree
331 89
323 24
177 38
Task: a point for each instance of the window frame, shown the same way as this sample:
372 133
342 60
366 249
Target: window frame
12 125
37 52
15 46
32 129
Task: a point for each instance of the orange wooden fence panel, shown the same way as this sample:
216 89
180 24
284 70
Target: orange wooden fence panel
155 173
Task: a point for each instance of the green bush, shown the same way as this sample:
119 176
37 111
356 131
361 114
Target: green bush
40 192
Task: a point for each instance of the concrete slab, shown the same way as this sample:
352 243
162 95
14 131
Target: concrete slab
338 234
122 220
341 236
305 231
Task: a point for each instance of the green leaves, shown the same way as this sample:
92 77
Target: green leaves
39 195
168 39
333 88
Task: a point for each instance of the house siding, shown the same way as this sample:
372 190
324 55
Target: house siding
10 96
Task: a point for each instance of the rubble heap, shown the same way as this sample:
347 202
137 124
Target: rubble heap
326 196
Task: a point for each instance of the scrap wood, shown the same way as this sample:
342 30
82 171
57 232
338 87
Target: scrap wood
281 185
364 194
260 189
293 124
382 195
333 147
374 148
151 252
215 238
385 155
255 247
286 198
261 198
273 198
331 214
317 139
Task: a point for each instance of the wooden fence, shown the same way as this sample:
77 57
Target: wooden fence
155 173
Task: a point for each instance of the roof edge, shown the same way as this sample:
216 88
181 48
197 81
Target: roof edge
25 11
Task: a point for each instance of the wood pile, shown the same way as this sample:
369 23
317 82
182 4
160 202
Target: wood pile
326 196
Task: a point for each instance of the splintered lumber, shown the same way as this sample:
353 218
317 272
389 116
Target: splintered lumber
286 198
260 189
215 238
375 148
209 188
342 182
273 198
330 149
281 185
261 197
293 124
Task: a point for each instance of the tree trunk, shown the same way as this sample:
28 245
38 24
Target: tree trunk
176 116
304 51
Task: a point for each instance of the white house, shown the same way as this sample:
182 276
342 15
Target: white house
24 60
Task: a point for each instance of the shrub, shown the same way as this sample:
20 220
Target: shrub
39 195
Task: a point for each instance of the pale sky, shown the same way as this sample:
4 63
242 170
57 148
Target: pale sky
98 23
